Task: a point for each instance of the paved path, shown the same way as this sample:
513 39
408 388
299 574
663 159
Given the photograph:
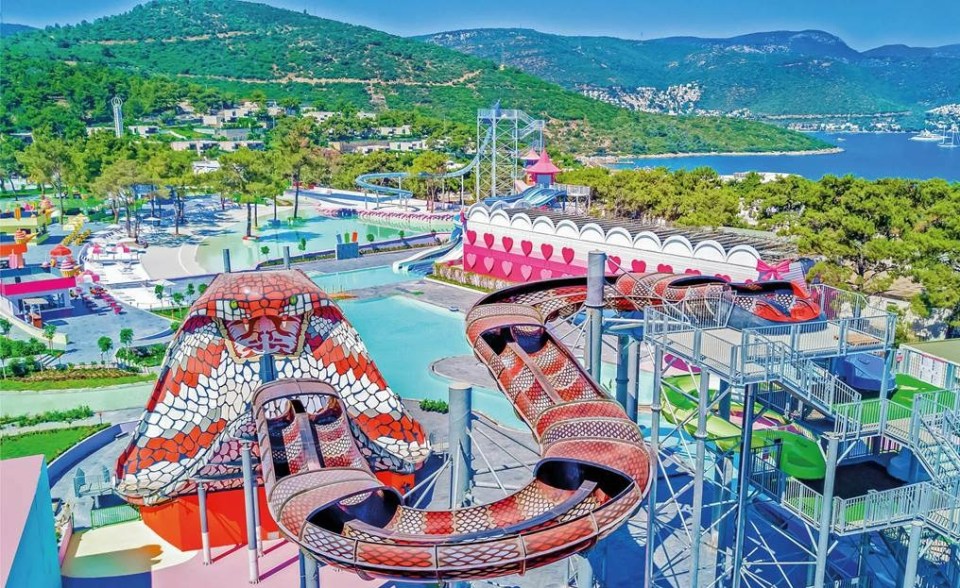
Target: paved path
363 262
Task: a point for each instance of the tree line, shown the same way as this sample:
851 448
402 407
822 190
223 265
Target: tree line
869 235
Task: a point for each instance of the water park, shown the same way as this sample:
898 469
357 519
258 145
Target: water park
394 392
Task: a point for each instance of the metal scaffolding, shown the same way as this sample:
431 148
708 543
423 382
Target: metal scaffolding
721 512
502 136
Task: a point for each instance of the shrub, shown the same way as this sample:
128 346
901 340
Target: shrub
434 406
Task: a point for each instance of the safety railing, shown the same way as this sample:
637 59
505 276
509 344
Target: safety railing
804 501
944 512
931 429
879 510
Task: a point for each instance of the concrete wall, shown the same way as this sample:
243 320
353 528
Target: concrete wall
37 562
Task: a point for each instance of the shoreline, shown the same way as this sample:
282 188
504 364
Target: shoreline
829 151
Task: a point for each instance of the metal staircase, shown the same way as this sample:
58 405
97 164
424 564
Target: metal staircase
931 430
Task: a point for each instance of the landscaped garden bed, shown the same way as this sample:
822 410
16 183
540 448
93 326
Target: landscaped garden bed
51 443
60 379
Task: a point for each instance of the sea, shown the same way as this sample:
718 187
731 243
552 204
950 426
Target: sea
867 155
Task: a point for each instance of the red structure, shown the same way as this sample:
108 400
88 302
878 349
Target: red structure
543 172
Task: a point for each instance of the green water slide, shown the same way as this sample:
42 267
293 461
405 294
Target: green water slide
800 456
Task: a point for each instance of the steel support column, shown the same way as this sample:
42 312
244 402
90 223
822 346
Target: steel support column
913 555
460 448
703 406
623 370
633 380
596 261
249 490
226 261
826 511
743 482
654 448
309 571
286 257
204 525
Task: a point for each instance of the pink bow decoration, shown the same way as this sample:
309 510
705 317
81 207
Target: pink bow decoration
772 272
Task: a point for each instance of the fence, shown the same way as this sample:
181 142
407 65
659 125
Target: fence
112 515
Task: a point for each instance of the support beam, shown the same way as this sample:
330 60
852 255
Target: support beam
743 482
249 489
913 555
309 571
623 369
286 257
461 447
226 261
633 380
826 512
204 525
696 526
596 262
655 409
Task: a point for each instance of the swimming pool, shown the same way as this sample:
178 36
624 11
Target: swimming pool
320 233
361 278
404 336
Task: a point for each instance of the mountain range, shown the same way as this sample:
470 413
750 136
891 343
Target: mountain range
241 47
778 73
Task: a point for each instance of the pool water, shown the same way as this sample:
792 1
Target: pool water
361 278
319 231
404 336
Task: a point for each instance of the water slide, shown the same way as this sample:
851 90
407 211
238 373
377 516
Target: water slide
800 454
422 261
330 433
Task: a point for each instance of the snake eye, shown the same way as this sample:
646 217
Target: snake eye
234 305
293 300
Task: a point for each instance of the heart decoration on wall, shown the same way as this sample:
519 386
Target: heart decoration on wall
526 247
525 272
568 254
488 238
488 263
638 265
471 237
546 274
547 250
665 268
723 277
691 271
470 259
613 264
507 267
507 243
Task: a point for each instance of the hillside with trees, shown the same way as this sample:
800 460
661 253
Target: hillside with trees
775 73
240 47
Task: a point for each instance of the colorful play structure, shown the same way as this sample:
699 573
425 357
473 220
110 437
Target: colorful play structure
270 409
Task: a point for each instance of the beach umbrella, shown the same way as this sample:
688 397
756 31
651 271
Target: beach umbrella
60 251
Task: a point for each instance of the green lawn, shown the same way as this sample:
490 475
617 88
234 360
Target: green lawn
175 314
50 443
40 385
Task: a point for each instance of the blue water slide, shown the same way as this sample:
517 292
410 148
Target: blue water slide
366 181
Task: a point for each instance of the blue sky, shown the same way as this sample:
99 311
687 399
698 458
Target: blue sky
862 23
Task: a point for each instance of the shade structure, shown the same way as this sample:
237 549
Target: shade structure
61 251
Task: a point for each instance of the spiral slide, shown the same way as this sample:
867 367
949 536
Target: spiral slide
330 433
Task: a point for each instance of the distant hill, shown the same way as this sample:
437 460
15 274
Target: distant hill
241 46
8 29
774 73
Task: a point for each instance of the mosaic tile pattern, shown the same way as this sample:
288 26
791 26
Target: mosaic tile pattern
200 405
